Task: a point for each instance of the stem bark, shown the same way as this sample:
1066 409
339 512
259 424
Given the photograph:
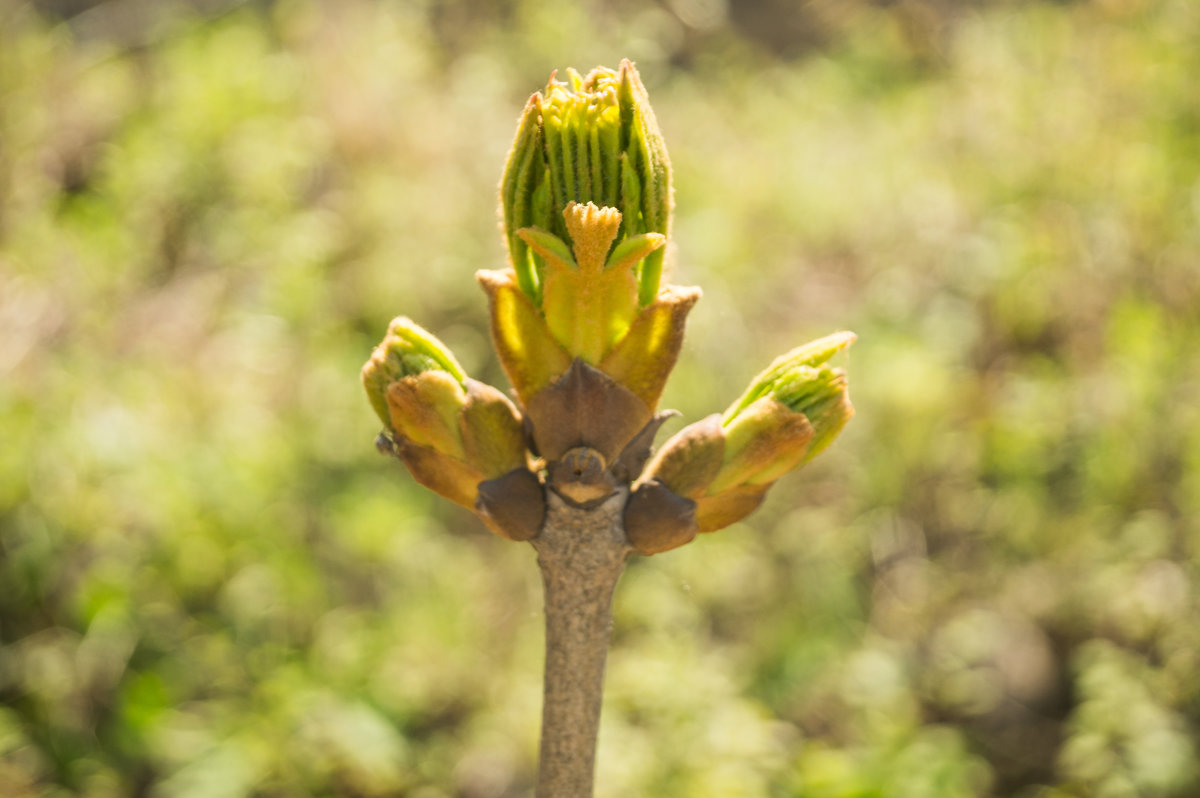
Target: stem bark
581 554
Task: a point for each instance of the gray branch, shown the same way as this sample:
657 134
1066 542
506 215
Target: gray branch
581 553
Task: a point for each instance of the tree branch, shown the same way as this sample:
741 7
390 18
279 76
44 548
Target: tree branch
581 553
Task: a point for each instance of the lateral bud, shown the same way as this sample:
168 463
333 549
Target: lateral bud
726 463
452 432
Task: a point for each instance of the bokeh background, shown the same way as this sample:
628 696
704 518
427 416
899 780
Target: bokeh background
211 585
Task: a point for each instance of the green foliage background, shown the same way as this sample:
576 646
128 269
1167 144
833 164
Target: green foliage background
211 585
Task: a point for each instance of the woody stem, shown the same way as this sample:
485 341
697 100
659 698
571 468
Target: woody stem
581 554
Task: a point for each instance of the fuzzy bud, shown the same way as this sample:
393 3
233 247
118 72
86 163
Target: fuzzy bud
590 139
725 464
452 432
586 206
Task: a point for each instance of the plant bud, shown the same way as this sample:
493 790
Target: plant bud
803 381
586 203
407 350
591 139
789 413
451 431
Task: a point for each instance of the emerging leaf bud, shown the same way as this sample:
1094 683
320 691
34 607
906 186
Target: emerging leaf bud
725 464
451 431
787 416
802 380
590 139
586 203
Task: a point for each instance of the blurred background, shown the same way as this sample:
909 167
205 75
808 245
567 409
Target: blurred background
212 586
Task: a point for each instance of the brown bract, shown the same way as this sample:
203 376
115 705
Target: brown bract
513 506
657 520
585 407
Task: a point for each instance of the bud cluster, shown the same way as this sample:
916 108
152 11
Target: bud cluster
588 334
